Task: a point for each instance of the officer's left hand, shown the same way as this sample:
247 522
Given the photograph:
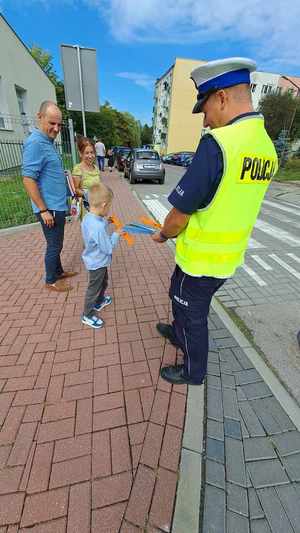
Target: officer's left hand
157 237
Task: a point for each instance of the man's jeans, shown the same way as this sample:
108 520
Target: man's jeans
55 238
101 160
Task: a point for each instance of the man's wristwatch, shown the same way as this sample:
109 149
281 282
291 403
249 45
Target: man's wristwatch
43 211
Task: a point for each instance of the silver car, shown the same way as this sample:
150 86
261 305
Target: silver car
144 164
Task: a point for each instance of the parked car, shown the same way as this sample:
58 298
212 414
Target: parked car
182 156
144 164
170 159
121 154
187 161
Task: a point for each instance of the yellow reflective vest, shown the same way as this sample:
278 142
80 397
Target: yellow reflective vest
216 237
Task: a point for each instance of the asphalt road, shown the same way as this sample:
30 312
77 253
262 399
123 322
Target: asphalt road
265 293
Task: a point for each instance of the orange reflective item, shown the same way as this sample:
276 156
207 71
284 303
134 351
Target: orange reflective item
118 224
150 222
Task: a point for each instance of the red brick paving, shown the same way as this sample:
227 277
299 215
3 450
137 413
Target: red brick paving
90 435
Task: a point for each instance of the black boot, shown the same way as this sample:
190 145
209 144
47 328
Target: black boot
175 375
167 331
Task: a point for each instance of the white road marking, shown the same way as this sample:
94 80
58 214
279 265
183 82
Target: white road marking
285 265
281 217
261 262
253 275
282 207
277 233
155 195
254 244
295 257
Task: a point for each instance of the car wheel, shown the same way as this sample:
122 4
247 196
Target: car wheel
131 178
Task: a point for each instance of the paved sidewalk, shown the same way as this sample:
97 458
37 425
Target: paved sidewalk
90 436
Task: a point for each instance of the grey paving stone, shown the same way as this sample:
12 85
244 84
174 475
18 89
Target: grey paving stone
237 499
269 423
213 369
274 511
297 488
220 333
214 404
213 381
245 302
214 510
292 466
225 367
235 463
251 420
272 415
287 443
215 429
213 357
215 474
247 376
279 414
267 473
236 523
260 526
256 448
255 509
232 428
240 394
225 354
255 391
234 363
213 348
230 405
228 381
245 433
216 321
215 449
242 358
226 343
291 503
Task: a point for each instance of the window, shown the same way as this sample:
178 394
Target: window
266 89
22 101
253 87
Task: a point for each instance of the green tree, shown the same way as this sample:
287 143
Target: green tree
45 60
146 134
280 111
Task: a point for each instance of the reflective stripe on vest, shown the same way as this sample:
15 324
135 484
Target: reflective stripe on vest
216 237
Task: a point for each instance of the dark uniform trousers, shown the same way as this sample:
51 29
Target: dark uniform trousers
191 297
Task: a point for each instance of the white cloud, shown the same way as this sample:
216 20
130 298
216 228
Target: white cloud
267 29
143 80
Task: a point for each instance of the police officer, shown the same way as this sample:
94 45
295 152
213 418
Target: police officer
215 206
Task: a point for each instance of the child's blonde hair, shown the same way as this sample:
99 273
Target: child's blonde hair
100 194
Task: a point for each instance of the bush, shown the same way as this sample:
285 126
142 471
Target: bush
293 164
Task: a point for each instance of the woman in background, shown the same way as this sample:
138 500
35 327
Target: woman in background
86 173
110 156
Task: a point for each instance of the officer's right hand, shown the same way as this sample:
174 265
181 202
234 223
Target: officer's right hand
48 219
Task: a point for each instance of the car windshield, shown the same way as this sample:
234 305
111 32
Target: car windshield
147 154
124 153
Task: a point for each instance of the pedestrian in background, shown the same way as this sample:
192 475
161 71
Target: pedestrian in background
97 254
45 183
215 206
100 152
110 161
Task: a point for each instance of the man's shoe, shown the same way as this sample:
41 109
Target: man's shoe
58 287
67 275
166 331
175 375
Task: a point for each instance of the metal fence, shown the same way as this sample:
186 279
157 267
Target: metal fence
15 206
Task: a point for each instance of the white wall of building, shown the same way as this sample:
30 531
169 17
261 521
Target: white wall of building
262 83
23 85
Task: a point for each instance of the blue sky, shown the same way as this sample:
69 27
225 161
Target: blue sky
138 40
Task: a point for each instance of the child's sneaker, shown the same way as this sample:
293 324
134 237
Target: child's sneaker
93 322
107 300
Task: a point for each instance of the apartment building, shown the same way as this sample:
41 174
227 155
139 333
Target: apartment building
175 128
23 85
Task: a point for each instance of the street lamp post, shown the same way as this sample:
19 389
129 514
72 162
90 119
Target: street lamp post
293 115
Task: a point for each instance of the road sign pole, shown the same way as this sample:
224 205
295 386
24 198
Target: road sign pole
81 90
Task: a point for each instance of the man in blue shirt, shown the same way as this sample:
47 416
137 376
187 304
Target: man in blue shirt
44 181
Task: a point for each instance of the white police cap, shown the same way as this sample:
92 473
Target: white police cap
220 74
